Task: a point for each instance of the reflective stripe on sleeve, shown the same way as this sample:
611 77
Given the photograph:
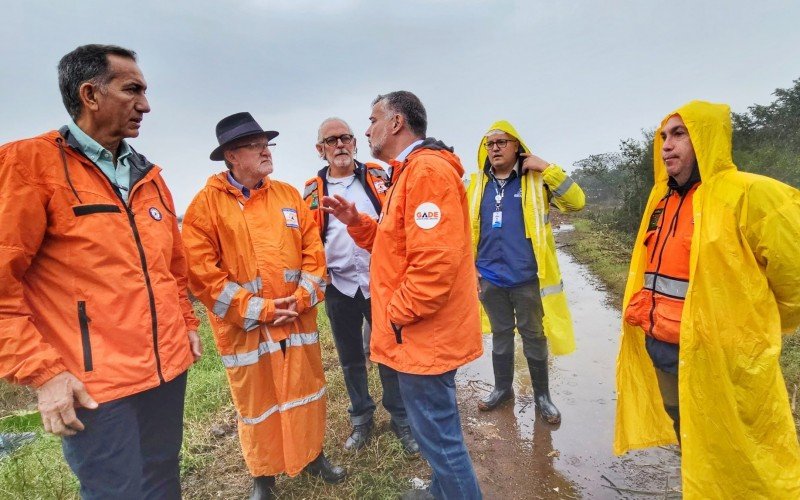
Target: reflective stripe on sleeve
252 313
253 286
284 407
313 278
665 285
291 275
563 187
549 290
225 298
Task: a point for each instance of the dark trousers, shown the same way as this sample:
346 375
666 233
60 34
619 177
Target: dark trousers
347 315
130 446
436 425
517 307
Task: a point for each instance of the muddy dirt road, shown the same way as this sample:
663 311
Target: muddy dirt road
519 456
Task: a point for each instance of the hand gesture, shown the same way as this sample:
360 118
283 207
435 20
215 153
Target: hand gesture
533 162
57 400
340 208
196 345
285 310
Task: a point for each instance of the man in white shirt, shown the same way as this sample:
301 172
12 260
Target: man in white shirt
347 300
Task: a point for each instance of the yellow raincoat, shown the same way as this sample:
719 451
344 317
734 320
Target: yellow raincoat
738 436
538 191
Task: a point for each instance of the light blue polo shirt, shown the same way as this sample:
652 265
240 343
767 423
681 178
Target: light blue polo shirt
119 174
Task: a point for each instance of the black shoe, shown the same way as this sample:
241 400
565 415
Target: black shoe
263 488
406 438
323 468
359 437
541 391
503 366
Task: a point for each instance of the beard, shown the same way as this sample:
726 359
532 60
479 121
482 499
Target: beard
342 160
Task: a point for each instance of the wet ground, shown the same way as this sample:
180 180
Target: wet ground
519 456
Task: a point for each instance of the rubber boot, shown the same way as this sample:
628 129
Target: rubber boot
540 380
503 365
263 488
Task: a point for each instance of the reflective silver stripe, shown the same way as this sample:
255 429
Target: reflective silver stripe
284 407
253 286
549 290
313 278
312 292
667 286
225 298
251 357
253 311
291 275
564 186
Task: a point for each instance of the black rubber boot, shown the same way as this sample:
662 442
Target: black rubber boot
503 365
263 488
540 379
322 467
675 414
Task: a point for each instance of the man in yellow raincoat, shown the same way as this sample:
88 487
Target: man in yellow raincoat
257 263
737 434
520 283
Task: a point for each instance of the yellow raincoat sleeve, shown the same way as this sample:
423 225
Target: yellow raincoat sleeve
772 228
209 282
311 290
567 194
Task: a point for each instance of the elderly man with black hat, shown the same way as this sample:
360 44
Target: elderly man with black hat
257 263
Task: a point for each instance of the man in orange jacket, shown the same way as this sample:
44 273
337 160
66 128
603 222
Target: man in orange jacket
93 305
424 288
347 298
257 263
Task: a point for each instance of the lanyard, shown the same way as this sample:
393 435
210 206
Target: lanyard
500 191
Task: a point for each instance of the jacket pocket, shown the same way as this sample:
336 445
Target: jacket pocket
398 333
84 321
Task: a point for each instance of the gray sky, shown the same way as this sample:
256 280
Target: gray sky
574 77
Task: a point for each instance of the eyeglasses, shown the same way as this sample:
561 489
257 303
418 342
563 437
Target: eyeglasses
256 146
334 139
500 143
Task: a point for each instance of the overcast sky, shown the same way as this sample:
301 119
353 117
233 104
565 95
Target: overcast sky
574 77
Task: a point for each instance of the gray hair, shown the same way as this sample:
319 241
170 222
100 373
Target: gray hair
87 63
329 120
407 104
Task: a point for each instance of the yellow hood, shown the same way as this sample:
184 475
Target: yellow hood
508 129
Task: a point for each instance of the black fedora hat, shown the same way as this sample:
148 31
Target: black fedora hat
235 127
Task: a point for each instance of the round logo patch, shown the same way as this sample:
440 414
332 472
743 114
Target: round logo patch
155 214
427 215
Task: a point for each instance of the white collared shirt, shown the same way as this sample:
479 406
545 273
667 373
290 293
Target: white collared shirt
348 264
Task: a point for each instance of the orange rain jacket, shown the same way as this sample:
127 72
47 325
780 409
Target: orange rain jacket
88 283
242 254
371 175
423 274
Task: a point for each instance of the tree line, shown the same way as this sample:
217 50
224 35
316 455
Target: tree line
766 140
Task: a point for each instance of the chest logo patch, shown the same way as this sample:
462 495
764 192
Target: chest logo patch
427 215
654 218
290 215
155 214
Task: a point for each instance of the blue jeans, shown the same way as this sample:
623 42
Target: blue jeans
130 446
347 315
433 412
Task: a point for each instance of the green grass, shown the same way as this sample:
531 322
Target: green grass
212 464
607 253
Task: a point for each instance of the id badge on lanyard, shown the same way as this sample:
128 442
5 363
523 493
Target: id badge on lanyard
497 215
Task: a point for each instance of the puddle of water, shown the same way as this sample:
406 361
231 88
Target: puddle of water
519 456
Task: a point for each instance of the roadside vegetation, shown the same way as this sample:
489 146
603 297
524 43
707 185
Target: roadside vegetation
212 465
766 140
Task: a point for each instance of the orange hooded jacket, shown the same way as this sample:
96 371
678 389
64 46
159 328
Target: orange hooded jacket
90 284
423 276
243 253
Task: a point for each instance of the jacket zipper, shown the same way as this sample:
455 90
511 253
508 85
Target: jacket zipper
143 261
83 321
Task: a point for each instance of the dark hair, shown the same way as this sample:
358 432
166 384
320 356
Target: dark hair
408 105
87 63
